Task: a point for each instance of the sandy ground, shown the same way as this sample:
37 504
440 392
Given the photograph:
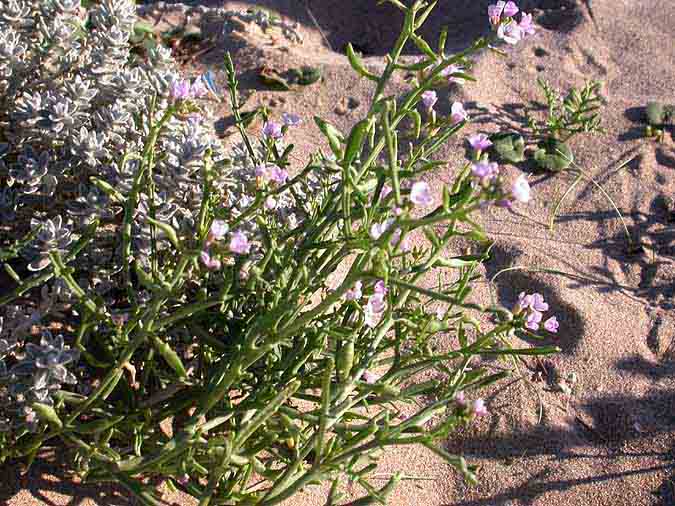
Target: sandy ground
611 440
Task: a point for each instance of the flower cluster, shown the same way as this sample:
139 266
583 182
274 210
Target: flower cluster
531 307
502 19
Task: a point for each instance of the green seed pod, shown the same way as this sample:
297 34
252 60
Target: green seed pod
357 138
47 414
168 230
345 360
97 426
357 64
335 138
170 356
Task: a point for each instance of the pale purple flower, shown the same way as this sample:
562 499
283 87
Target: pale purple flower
485 171
270 203
212 264
278 175
510 9
198 89
460 399
533 301
533 319
217 231
551 324
183 479
510 32
521 189
457 113
377 229
374 309
495 11
526 26
272 130
479 142
450 70
291 119
386 190
369 377
355 292
380 287
396 240
478 408
429 99
398 211
239 243
420 194
179 89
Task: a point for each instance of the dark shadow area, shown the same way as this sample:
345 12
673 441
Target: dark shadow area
373 29
606 423
46 478
510 284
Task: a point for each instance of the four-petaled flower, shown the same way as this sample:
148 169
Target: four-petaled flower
485 171
290 119
376 304
551 324
495 11
211 263
479 142
272 130
420 194
239 243
429 99
478 408
355 292
217 231
378 229
457 113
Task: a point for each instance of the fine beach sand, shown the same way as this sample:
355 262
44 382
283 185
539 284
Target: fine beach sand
609 442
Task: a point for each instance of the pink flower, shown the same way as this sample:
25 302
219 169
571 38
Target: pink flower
355 292
521 189
386 190
511 9
495 11
485 171
526 26
217 231
278 175
374 309
198 89
179 89
479 142
420 194
378 229
533 319
272 130
457 113
551 324
369 377
534 301
460 400
212 264
450 70
291 119
270 203
396 240
380 287
239 243
183 479
429 99
478 408
510 32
